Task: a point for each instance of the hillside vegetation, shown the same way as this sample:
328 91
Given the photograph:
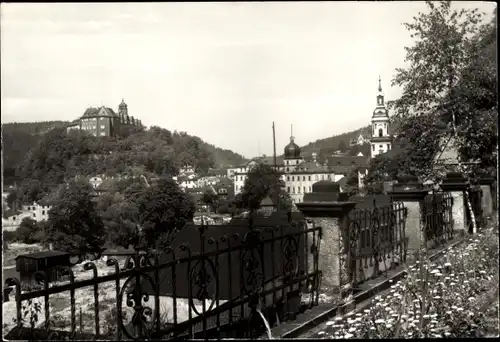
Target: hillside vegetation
337 142
31 150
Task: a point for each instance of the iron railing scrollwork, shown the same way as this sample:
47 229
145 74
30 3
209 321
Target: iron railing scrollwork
376 235
211 281
438 218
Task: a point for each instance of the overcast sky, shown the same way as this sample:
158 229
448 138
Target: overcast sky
221 71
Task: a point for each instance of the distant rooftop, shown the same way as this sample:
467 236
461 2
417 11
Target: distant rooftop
42 255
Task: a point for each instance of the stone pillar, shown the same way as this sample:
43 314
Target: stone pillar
328 208
456 185
487 201
411 193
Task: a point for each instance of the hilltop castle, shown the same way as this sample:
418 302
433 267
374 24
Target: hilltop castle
103 121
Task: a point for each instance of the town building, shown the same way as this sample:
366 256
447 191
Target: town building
381 140
359 141
35 211
299 174
103 121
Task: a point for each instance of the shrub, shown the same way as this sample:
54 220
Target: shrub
223 209
435 299
9 236
28 231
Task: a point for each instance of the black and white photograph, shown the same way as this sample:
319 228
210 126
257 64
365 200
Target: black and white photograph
249 170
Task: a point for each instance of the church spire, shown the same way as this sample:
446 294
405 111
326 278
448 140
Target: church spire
380 95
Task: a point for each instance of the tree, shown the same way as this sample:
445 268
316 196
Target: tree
120 221
342 146
162 210
440 84
445 78
223 207
74 225
12 200
210 198
352 183
263 181
27 230
382 168
31 190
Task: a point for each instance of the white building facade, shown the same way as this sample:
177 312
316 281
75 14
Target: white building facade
381 140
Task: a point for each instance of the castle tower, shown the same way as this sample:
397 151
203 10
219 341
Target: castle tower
123 112
381 140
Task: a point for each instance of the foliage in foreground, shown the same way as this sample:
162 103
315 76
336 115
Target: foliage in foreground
74 224
436 299
449 89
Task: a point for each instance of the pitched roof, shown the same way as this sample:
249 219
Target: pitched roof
267 160
42 255
341 169
311 166
356 161
102 111
9 212
267 201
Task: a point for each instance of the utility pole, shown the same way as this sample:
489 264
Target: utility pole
276 169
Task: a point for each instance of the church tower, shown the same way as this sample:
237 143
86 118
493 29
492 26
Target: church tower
381 140
292 154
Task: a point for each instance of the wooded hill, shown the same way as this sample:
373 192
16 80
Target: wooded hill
31 149
337 142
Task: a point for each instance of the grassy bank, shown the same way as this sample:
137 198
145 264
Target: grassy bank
436 299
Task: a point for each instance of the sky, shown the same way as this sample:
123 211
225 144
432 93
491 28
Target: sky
221 71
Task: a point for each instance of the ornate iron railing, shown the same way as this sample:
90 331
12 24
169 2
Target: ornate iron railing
438 218
226 281
376 236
